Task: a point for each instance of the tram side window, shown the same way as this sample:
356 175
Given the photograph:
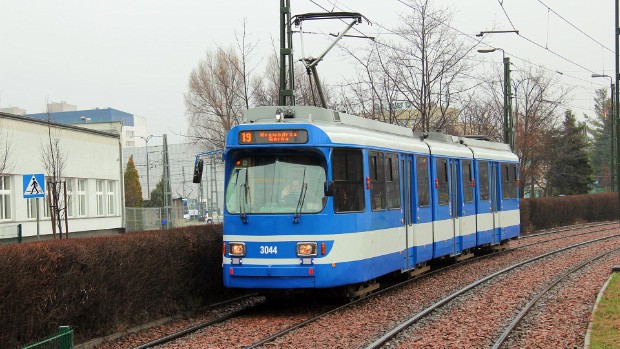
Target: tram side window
515 179
512 169
392 180
509 181
442 178
424 198
348 177
505 182
468 188
483 180
376 167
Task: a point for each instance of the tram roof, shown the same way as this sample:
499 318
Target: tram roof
355 130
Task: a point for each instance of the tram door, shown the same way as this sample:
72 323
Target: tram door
455 205
406 190
495 201
446 224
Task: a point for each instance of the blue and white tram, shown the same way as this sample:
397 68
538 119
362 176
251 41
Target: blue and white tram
319 199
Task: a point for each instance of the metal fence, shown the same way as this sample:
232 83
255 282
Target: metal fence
143 218
10 233
62 340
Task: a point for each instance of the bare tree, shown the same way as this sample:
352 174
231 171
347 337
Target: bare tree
538 98
6 165
479 116
429 65
54 161
215 101
220 89
266 86
372 93
414 80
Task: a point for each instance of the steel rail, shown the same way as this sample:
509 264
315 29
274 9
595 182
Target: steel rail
192 329
532 302
403 283
293 327
417 317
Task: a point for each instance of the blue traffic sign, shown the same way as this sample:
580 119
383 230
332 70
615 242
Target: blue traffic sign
34 186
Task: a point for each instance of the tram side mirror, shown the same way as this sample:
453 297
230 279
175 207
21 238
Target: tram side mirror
329 188
198 171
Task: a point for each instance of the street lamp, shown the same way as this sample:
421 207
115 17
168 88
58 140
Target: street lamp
613 126
497 32
508 122
146 142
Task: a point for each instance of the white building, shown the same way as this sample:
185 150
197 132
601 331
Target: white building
93 175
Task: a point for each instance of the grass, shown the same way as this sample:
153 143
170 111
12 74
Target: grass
606 327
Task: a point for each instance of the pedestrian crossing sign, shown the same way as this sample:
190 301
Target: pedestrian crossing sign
34 186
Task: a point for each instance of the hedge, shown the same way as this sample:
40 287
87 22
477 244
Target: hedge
101 285
550 212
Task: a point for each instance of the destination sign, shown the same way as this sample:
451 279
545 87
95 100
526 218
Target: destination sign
273 137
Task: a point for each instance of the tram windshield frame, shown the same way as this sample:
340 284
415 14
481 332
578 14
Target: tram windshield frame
277 184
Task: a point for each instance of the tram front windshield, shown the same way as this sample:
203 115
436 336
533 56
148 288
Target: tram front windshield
270 184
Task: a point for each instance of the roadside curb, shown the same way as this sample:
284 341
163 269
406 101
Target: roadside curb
586 341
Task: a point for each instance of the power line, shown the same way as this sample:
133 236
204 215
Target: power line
574 26
501 4
478 41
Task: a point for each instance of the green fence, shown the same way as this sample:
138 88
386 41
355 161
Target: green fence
10 233
62 340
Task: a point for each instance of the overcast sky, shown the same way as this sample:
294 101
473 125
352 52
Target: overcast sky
136 56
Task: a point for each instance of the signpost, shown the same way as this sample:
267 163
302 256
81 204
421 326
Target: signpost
34 188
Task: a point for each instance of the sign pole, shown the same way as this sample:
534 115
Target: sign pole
38 229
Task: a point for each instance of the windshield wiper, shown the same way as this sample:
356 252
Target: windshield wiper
302 197
244 200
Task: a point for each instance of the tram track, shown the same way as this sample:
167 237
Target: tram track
453 297
299 321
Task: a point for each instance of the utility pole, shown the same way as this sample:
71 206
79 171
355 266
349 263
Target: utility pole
214 205
167 189
509 129
287 86
509 135
617 92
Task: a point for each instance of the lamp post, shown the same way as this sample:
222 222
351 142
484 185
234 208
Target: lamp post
146 142
509 137
613 136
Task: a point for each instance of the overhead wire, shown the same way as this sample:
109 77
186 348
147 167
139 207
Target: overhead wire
476 41
574 26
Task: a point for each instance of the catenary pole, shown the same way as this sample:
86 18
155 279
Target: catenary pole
616 110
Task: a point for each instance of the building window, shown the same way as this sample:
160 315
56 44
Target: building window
129 133
31 208
130 143
99 197
81 197
69 203
5 198
111 198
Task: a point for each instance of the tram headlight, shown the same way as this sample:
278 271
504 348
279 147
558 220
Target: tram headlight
306 249
236 249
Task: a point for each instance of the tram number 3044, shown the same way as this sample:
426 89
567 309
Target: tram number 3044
269 250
